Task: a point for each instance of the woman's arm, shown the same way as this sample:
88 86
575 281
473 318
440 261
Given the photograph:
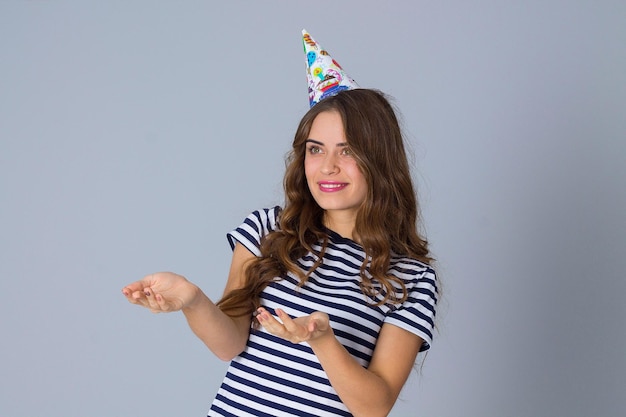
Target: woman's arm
366 392
372 391
225 336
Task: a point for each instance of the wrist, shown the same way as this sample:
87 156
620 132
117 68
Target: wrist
323 339
195 299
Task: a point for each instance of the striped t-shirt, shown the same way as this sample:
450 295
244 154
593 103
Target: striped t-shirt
274 377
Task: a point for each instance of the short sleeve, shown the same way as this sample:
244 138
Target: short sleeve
417 313
258 224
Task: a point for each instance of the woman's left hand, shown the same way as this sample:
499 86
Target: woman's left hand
300 329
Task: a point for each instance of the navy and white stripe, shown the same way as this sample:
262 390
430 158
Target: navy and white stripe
274 377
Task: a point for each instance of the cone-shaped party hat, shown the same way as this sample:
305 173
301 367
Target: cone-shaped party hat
324 75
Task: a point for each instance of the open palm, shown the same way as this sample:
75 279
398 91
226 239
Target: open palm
161 292
300 329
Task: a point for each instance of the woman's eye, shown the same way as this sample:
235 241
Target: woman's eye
315 150
346 151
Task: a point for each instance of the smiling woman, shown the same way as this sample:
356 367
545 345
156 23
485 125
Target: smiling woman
330 298
333 175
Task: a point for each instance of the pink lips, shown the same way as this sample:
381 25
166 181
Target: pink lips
331 186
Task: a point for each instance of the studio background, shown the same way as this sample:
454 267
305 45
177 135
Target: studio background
135 134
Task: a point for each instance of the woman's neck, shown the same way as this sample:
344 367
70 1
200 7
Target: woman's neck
340 223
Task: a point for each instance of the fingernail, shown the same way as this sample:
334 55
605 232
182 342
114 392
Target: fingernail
147 293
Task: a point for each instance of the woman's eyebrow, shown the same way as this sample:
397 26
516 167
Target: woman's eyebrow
317 142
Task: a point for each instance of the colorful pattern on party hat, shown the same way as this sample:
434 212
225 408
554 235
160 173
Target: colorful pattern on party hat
324 75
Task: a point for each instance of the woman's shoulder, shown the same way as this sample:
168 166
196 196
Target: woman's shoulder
263 221
410 268
254 228
265 218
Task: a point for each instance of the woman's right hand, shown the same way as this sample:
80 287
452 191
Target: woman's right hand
162 292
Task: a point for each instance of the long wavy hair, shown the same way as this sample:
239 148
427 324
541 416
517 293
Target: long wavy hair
386 223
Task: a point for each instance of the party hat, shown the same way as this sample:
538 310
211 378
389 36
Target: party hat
324 75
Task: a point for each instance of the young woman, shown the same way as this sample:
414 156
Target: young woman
330 298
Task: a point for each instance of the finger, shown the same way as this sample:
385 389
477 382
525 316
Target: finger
131 288
158 303
294 331
321 321
288 323
270 323
163 305
152 303
137 297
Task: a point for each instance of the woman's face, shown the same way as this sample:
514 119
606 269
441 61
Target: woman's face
334 179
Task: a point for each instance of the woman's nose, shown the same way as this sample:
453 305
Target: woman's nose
329 166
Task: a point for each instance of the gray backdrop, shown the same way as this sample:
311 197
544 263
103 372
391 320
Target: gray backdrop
135 134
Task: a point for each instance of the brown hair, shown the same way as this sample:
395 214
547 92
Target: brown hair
386 222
